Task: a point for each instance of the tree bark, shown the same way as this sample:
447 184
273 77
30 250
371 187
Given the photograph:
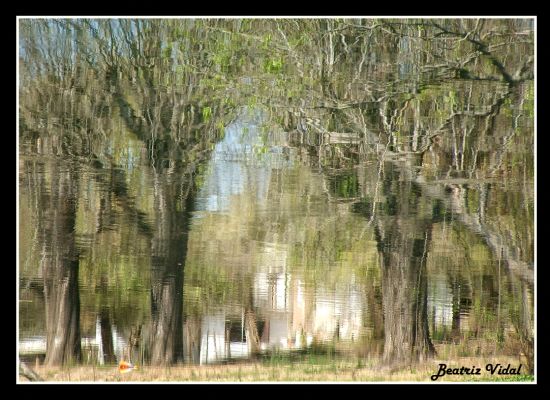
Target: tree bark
59 265
403 243
404 295
169 250
193 340
109 356
251 329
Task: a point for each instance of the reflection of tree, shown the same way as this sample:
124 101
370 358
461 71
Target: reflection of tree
404 237
168 253
439 89
436 112
460 304
251 325
56 201
524 327
107 336
84 73
192 339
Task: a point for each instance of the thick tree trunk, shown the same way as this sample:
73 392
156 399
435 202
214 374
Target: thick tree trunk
169 250
404 238
60 266
404 295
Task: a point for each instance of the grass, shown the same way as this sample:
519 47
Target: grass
280 369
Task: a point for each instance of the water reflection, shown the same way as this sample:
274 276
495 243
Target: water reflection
239 163
175 215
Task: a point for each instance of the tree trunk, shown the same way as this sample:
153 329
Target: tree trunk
59 265
526 328
169 250
404 238
109 356
404 295
251 329
193 340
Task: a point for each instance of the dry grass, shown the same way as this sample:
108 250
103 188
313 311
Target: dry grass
303 371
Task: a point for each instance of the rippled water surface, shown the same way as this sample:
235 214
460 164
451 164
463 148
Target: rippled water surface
213 190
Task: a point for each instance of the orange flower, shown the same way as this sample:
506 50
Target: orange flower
124 367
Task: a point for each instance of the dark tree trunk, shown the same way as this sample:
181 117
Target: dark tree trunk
404 296
169 250
403 242
57 214
109 356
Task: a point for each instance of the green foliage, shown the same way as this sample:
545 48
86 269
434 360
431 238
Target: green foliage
151 116
167 51
266 41
273 65
345 186
206 113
